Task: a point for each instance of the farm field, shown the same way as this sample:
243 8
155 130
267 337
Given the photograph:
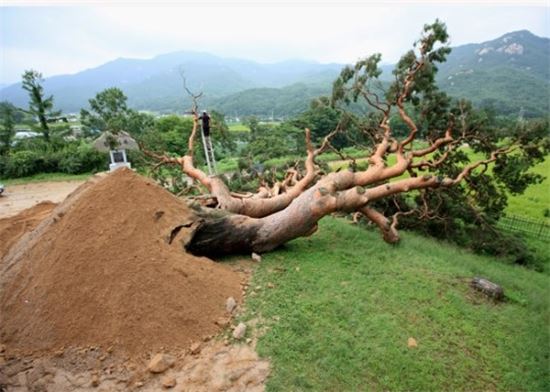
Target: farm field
238 127
241 127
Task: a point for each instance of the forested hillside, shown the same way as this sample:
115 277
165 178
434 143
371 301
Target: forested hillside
509 74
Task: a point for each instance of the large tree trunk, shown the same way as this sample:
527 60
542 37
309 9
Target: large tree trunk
233 233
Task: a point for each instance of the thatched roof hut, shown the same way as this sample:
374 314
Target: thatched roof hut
109 141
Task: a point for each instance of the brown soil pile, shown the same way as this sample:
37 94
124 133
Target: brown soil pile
100 272
13 228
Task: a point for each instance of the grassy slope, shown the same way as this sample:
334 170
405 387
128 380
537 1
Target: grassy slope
345 303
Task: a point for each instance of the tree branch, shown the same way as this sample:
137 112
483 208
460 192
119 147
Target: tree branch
388 230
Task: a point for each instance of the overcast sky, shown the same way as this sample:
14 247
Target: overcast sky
57 39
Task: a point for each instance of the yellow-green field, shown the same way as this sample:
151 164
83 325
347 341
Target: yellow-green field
238 127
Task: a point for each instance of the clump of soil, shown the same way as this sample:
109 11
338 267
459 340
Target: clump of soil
100 271
13 228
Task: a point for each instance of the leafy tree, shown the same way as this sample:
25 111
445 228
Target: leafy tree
109 112
274 141
225 143
8 114
39 106
321 118
168 134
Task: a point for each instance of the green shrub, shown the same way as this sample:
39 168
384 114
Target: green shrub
81 159
23 163
71 158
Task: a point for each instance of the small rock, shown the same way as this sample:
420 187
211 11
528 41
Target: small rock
249 340
239 331
139 384
195 348
488 288
256 257
270 285
160 363
230 304
95 381
2 348
297 269
222 322
168 382
411 342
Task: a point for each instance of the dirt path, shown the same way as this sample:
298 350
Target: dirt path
17 198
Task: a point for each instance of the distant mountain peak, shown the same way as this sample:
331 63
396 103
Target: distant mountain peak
519 34
516 43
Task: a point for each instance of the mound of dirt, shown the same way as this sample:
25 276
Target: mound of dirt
13 228
100 271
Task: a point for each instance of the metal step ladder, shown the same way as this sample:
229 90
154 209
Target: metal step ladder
209 153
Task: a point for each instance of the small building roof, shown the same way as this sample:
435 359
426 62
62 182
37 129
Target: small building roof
120 140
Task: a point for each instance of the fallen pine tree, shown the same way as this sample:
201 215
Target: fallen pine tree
428 160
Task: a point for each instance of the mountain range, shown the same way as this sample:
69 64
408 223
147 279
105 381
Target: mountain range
509 74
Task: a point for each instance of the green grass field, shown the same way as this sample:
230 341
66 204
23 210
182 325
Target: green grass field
536 198
46 177
532 204
344 304
238 127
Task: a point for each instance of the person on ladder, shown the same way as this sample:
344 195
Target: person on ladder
205 119
207 143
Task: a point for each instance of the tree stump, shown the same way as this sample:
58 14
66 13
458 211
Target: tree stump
488 288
